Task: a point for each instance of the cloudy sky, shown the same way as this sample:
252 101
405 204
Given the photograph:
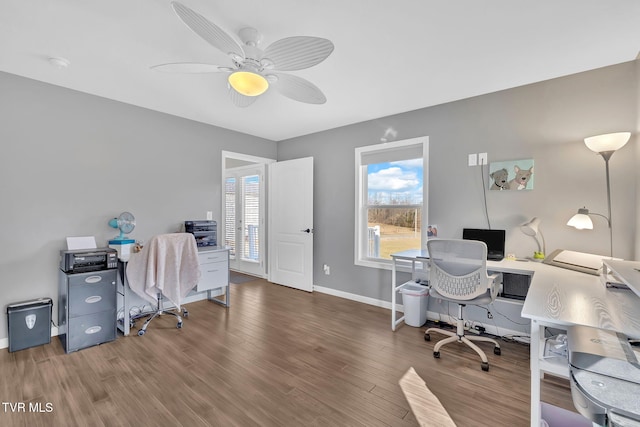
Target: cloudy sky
395 182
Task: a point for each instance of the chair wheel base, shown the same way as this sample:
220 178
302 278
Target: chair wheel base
427 337
496 351
485 366
141 332
436 354
179 325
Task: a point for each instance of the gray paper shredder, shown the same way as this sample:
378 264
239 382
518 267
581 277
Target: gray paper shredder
29 323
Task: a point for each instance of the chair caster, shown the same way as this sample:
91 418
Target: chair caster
496 351
185 313
485 366
436 354
427 337
141 332
179 325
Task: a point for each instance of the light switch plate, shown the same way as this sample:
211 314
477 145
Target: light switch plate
473 159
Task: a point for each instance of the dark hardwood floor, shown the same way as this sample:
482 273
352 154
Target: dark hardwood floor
276 357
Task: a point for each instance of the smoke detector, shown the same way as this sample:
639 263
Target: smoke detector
59 63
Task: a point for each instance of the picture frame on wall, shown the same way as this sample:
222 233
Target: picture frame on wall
511 175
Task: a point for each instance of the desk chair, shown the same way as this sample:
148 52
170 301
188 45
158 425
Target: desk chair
167 267
458 273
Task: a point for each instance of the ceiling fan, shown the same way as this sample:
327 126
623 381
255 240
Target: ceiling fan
253 69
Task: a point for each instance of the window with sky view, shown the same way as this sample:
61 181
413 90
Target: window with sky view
394 206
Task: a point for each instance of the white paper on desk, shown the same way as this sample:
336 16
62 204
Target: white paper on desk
580 259
86 242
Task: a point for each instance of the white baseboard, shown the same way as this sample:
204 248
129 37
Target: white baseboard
4 342
199 296
431 315
355 297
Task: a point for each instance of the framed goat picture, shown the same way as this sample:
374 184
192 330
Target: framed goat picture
511 175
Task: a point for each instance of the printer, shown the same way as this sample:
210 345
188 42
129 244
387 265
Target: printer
86 260
605 376
204 231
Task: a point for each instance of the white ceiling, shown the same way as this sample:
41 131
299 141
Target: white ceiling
389 57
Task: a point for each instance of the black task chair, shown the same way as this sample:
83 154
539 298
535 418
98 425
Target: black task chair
458 273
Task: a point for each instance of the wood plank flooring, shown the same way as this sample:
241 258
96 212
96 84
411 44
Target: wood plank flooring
276 357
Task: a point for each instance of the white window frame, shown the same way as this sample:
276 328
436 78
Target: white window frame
361 202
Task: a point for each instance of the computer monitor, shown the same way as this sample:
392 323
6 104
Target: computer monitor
494 239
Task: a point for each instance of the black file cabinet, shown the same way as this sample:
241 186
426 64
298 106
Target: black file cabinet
87 309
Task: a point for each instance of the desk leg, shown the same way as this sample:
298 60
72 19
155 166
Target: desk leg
126 318
393 295
227 293
534 355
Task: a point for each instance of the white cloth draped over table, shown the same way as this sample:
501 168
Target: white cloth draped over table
167 264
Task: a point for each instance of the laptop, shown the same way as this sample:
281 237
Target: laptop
494 239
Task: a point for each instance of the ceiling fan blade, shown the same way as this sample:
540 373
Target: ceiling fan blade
297 53
239 99
189 67
206 29
299 89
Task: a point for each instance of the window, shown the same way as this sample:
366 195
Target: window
249 221
244 218
391 200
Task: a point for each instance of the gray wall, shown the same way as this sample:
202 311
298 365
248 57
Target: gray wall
545 121
71 161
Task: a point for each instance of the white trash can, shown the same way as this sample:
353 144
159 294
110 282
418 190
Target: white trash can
415 299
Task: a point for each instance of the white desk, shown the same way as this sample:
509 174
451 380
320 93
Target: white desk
627 271
412 256
557 298
214 269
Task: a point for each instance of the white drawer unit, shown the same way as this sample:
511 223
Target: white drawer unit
214 269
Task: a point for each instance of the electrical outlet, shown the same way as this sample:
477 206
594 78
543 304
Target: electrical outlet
209 215
327 269
473 159
482 158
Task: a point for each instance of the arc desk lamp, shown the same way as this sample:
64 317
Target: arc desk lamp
532 228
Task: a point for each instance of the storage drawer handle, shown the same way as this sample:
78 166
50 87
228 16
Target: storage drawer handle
93 279
93 330
212 271
93 299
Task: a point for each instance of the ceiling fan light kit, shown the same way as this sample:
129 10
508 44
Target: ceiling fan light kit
253 69
248 83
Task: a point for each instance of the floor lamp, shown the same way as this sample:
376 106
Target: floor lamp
605 145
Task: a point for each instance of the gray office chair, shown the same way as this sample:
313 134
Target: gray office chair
458 273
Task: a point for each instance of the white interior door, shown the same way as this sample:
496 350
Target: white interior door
291 223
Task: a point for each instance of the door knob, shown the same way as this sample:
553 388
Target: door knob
307 230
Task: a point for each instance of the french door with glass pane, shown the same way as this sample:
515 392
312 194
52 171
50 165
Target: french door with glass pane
244 218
